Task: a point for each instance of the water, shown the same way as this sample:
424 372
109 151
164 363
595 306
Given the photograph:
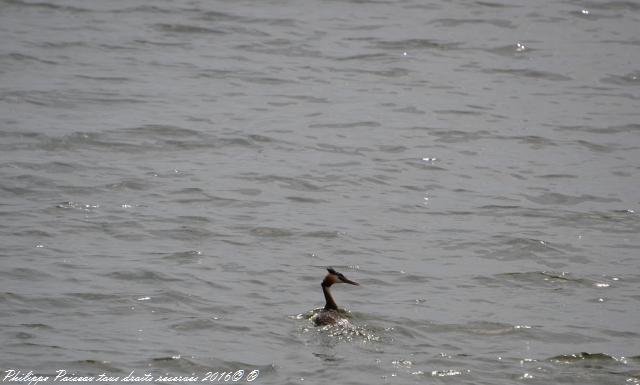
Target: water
176 175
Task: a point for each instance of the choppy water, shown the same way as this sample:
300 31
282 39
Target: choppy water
176 175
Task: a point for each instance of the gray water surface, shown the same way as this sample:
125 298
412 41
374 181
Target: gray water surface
175 176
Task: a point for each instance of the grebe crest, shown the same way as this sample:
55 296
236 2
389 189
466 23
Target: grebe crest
331 314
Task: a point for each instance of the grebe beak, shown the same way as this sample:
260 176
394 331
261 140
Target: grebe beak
346 280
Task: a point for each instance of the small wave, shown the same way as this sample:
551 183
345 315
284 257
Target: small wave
492 328
141 276
557 176
77 206
529 73
93 297
68 99
550 198
160 130
271 232
459 136
548 278
460 112
281 49
185 233
517 50
50 6
584 356
184 257
323 234
305 200
290 183
624 128
621 221
106 79
630 79
500 23
364 57
449 372
612 5
187 29
22 58
346 125
200 324
143 9
414 44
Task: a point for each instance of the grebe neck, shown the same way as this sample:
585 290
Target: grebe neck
330 302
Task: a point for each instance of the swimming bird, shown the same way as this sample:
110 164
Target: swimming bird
331 314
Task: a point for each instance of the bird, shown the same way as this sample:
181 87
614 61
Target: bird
330 314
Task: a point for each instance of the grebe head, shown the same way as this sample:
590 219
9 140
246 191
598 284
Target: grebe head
335 277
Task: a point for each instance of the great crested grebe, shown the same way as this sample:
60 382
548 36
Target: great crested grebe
331 314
